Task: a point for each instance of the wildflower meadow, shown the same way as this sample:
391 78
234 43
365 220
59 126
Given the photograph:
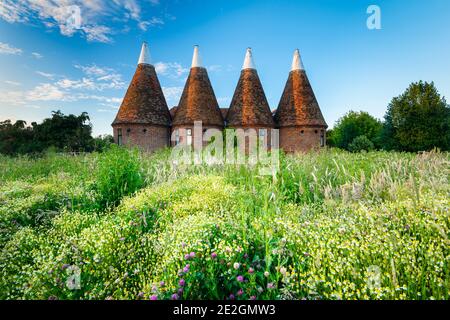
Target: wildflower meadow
129 225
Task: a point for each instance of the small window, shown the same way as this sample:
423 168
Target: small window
145 130
302 132
177 137
189 136
119 137
322 139
262 132
315 131
128 131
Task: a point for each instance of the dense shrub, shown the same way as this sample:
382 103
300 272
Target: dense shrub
360 143
353 125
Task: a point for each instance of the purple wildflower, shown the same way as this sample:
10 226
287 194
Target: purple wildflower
253 298
162 284
174 296
141 294
270 285
154 297
186 269
182 282
240 278
192 254
180 291
240 292
231 297
213 255
251 270
186 256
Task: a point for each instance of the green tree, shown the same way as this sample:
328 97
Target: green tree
65 132
61 132
353 125
360 143
417 120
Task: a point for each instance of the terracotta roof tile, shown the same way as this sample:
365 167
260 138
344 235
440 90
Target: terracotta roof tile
144 102
173 111
249 106
198 102
298 105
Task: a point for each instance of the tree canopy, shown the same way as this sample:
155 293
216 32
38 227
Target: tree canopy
417 120
354 125
62 132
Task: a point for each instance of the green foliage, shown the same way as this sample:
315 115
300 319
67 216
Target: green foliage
361 143
118 174
329 225
60 132
103 142
417 120
353 125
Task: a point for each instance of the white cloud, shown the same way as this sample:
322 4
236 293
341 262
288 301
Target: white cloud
98 33
93 70
215 68
113 81
107 110
46 75
12 97
37 55
46 92
172 94
86 17
153 22
170 69
12 83
8 49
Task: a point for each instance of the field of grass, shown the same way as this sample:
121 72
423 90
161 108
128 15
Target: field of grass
127 225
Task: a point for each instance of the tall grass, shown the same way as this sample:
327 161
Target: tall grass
328 225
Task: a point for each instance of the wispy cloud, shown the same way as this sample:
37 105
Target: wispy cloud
154 21
90 18
46 92
172 94
8 49
12 83
93 70
37 55
46 75
170 69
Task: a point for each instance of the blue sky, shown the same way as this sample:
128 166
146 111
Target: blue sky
46 65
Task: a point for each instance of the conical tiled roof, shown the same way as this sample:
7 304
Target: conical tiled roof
198 101
249 106
298 105
144 102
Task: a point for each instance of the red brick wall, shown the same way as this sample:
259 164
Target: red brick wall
301 139
147 137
